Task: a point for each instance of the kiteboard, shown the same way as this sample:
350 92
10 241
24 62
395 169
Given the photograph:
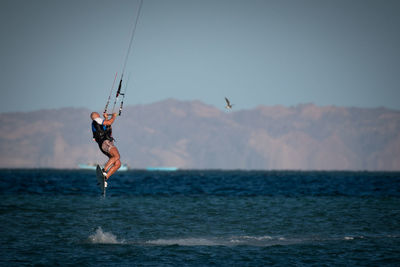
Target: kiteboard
100 179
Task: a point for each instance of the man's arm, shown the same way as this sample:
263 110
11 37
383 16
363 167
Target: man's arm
109 121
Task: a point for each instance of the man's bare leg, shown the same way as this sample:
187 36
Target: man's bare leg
113 169
113 162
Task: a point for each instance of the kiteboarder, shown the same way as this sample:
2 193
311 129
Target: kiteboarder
102 134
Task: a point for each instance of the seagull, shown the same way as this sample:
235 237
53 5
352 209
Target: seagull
228 104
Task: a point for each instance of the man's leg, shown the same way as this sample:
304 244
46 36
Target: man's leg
113 169
113 162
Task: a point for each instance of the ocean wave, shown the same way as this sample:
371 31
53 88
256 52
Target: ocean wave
223 241
256 241
184 242
101 237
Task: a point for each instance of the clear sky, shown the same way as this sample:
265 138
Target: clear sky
57 53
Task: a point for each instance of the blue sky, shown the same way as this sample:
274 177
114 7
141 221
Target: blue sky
65 53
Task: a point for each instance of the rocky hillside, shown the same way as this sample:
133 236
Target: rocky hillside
195 135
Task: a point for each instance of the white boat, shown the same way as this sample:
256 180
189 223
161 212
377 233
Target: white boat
168 169
92 166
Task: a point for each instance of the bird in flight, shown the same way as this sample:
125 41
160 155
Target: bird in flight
228 104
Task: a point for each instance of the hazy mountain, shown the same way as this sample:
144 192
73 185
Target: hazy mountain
195 135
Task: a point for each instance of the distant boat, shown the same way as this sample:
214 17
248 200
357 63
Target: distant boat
168 169
92 166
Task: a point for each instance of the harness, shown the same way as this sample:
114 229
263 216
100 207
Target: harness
101 133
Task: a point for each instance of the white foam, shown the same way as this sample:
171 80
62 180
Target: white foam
258 238
220 241
262 241
184 242
101 237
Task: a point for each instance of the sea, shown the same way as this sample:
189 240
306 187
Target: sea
199 218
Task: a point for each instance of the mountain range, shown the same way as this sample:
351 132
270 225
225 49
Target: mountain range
194 135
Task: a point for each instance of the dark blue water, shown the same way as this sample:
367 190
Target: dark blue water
191 218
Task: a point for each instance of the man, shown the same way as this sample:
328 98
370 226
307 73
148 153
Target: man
102 134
